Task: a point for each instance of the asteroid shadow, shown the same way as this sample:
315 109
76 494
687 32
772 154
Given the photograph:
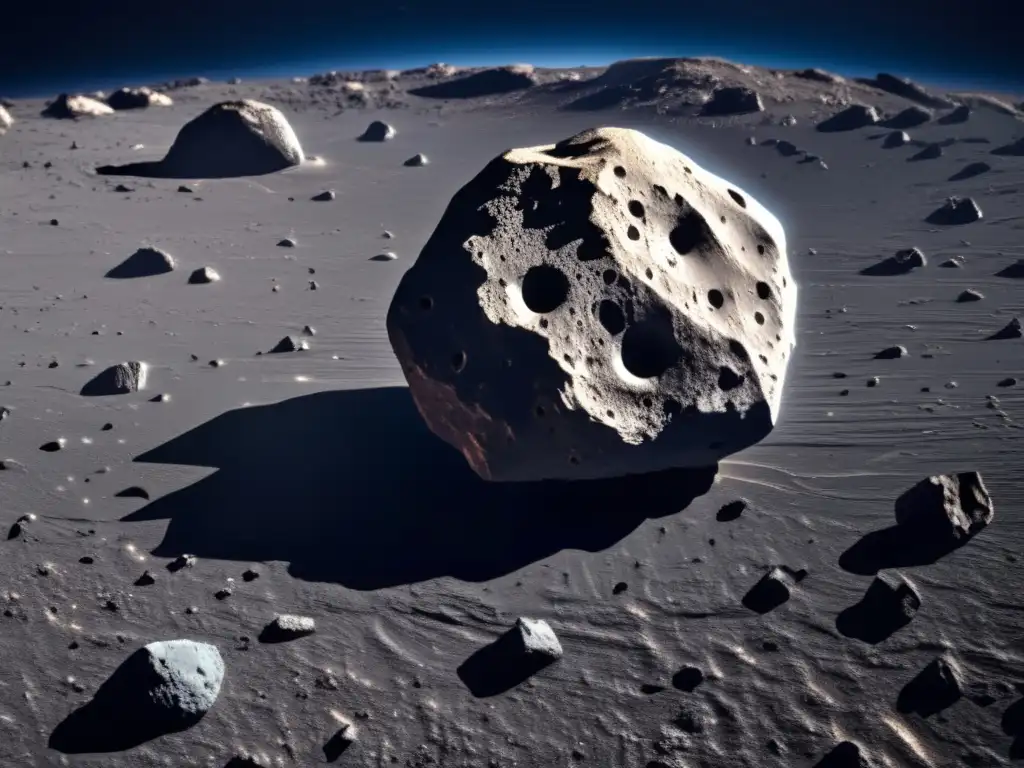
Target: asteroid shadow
120 716
500 667
897 546
351 487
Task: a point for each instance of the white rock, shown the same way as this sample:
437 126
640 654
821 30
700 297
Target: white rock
185 676
66 106
582 310
538 638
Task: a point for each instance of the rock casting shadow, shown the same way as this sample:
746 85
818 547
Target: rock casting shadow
120 716
500 667
351 487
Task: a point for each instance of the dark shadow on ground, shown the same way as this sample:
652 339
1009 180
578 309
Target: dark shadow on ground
500 666
120 716
351 487
894 547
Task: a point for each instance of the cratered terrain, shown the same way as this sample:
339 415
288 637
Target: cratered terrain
647 424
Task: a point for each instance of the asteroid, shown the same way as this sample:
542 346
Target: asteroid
145 262
287 627
556 326
946 510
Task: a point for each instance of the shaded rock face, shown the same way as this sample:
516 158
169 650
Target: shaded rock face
490 82
902 262
145 262
895 139
956 211
137 98
203 275
69 107
733 101
956 116
583 311
850 119
946 509
378 131
230 139
120 379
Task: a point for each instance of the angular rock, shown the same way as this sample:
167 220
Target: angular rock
1012 330
290 344
137 98
1013 149
970 170
846 754
956 211
72 107
230 139
203 275
969 295
324 197
960 114
733 100
850 119
774 589
145 262
378 131
911 117
946 510
286 242
892 353
936 687
787 149
416 160
904 261
953 262
120 379
889 604
287 627
613 326
526 649
489 82
930 152
895 139
1014 271
534 637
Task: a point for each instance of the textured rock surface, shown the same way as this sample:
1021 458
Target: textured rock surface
948 509
66 107
120 379
185 676
597 307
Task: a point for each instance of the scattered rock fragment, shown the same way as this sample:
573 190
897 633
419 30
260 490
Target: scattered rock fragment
145 262
286 242
203 275
145 580
956 211
891 353
969 295
416 161
185 189
774 589
946 511
163 397
895 139
960 114
180 562
1013 149
20 526
971 170
954 262
54 445
6 121
1012 330
903 262
1009 381
250 574
889 604
1014 271
137 98
850 119
936 687
308 330
526 649
324 197
290 344
733 100
385 256
287 627
72 107
121 379
911 117
378 131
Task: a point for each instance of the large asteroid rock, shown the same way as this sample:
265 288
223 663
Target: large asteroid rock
230 139
597 307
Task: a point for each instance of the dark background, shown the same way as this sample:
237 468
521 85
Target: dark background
47 47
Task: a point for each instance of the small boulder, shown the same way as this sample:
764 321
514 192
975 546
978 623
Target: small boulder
774 589
787 149
378 131
287 242
953 262
489 82
1013 149
969 295
523 651
1014 271
203 275
416 161
891 353
385 256
850 119
955 211
909 90
971 170
890 603
72 107
732 100
137 98
145 262
930 152
120 379
287 627
324 197
946 510
911 117
936 687
895 139
960 114
290 344
904 261
1012 330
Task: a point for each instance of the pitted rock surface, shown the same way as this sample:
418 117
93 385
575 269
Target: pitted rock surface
597 307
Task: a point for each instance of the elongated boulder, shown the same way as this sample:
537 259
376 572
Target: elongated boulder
137 98
597 307
71 107
230 139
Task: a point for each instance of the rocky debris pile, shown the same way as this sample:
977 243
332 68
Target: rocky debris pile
378 130
850 119
137 98
203 275
230 139
120 379
145 262
618 325
911 117
904 261
938 686
733 100
71 107
955 211
946 510
489 82
287 627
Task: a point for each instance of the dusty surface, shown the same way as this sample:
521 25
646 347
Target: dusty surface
304 483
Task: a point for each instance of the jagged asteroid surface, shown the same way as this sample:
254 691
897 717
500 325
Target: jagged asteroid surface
597 307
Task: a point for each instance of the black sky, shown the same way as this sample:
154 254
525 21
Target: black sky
69 44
